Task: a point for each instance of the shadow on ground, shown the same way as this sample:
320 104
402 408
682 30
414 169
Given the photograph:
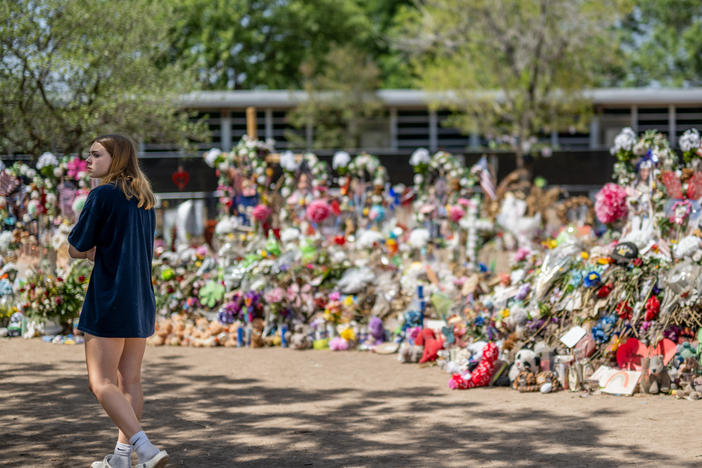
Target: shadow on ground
224 421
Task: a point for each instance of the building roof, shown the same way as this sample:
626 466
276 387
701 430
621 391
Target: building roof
419 98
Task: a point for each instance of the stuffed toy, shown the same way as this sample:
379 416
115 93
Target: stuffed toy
527 381
410 353
526 359
481 375
654 376
692 390
257 326
427 338
376 330
300 339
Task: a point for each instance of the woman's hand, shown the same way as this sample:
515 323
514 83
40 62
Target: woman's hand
90 254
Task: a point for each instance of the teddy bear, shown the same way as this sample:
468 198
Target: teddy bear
528 381
525 360
300 338
481 375
692 390
376 331
654 376
257 326
409 352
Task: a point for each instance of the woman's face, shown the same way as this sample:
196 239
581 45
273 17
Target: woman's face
98 162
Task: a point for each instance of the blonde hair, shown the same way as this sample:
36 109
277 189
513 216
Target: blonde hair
124 170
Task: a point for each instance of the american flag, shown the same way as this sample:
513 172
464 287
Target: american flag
483 171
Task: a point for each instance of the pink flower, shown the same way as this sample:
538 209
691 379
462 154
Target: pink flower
456 213
318 211
338 344
464 202
274 295
261 212
335 296
75 166
521 254
610 204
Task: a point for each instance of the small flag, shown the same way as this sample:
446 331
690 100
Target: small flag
483 172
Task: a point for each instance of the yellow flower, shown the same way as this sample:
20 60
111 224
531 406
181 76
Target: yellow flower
263 253
584 255
604 260
365 211
348 301
327 315
505 313
348 334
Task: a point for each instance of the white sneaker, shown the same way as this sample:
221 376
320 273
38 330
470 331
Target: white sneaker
158 461
105 463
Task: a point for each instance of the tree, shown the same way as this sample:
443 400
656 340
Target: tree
73 69
514 68
663 43
341 101
237 44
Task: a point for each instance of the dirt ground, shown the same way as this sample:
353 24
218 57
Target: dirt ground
277 408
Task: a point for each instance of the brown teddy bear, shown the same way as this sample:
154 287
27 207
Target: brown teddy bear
654 376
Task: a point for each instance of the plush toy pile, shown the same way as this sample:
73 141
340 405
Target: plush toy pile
512 285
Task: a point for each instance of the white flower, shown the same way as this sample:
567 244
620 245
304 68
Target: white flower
31 173
5 240
624 141
78 204
58 172
47 159
211 156
341 159
287 161
368 238
226 225
50 198
261 180
640 148
690 140
285 192
418 179
419 238
223 166
686 247
289 235
420 156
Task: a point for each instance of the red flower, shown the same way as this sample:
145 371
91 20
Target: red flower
59 300
604 290
81 279
637 262
59 279
339 240
653 306
624 311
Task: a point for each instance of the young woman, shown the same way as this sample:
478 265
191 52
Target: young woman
116 231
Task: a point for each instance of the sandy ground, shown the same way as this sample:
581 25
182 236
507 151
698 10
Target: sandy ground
274 407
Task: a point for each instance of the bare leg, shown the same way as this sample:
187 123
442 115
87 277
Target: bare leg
102 356
129 377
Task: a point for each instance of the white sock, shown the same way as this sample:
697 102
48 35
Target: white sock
122 458
145 450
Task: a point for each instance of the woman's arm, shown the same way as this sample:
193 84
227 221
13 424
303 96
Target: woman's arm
74 253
